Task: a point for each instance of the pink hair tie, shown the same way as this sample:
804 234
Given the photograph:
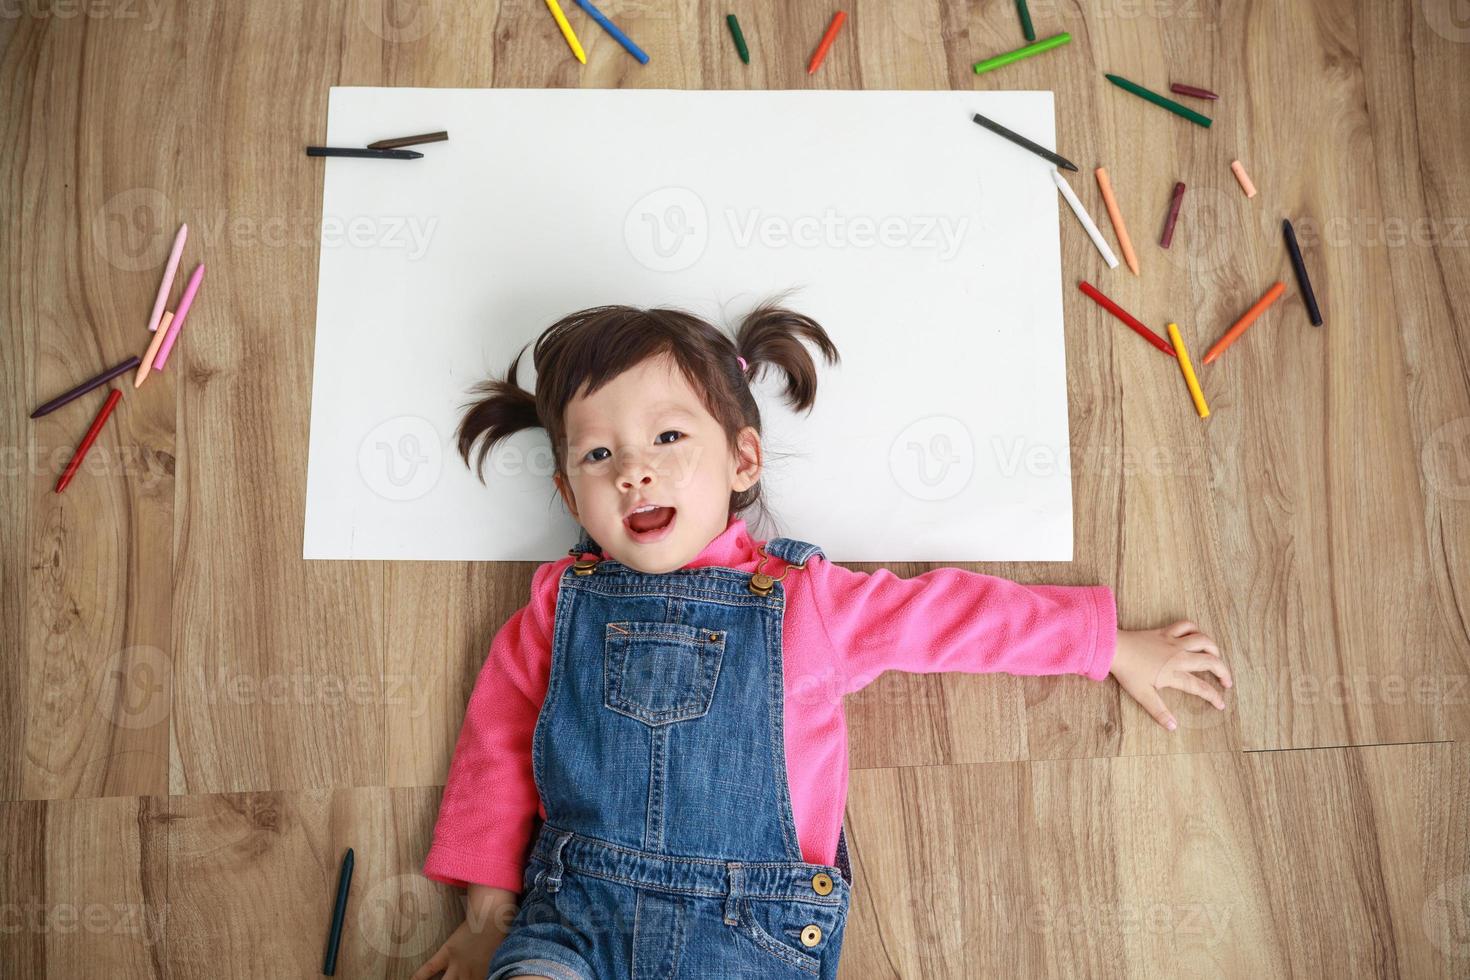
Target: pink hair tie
743 365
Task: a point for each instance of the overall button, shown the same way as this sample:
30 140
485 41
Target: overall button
811 935
822 883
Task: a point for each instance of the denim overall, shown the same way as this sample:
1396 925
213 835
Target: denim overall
669 849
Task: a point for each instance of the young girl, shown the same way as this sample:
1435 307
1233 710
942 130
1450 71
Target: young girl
669 704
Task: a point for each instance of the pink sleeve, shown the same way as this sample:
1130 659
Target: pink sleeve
490 798
951 619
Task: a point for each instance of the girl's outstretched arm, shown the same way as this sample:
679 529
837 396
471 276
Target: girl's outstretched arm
951 619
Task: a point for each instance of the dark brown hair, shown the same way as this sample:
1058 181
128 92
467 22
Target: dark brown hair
593 346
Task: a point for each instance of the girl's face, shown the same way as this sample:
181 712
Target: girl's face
646 438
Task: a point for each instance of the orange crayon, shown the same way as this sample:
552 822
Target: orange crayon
1116 216
1233 334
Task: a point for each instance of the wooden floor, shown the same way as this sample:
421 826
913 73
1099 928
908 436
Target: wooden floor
196 723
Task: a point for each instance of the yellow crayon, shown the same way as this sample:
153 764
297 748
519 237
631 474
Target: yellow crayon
1188 369
566 31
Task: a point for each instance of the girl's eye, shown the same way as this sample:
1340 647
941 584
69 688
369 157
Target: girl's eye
592 457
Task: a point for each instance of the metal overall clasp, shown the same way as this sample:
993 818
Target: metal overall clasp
761 583
582 566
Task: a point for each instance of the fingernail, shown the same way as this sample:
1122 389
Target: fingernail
1221 706
1171 724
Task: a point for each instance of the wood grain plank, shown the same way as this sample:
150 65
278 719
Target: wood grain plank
256 874
94 216
278 661
84 889
1337 862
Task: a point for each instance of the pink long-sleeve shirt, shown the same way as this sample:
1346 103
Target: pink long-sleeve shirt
840 630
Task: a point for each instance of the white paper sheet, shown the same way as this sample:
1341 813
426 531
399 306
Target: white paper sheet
925 245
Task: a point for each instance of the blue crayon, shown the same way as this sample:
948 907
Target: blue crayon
612 29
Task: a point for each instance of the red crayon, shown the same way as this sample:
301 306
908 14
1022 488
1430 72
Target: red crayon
1174 203
827 40
87 440
1198 93
1126 317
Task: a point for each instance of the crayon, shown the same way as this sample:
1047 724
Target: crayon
739 37
1027 30
1305 284
399 142
1001 60
1096 295
1189 379
566 31
1243 178
85 387
1159 100
362 151
168 277
88 439
1174 203
611 28
1249 317
827 39
1116 216
1024 143
1198 93
1088 225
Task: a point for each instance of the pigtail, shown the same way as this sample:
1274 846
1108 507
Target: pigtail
771 334
503 409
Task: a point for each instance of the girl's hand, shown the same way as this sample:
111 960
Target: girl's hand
1148 660
467 953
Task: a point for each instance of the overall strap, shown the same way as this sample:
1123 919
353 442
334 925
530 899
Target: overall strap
791 554
791 551
584 544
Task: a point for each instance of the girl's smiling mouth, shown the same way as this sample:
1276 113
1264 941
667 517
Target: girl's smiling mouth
646 527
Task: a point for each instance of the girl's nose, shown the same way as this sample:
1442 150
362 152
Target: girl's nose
634 468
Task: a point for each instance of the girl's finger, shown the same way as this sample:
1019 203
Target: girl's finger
1193 685
1216 666
433 967
1149 700
1199 641
1182 628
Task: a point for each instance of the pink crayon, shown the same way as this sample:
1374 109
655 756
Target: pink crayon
168 277
180 315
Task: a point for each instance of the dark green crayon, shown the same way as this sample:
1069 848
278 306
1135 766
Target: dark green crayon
1159 100
739 38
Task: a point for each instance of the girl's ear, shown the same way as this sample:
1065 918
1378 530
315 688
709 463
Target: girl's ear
565 489
749 459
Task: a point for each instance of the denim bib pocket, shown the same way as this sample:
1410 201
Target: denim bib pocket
661 673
